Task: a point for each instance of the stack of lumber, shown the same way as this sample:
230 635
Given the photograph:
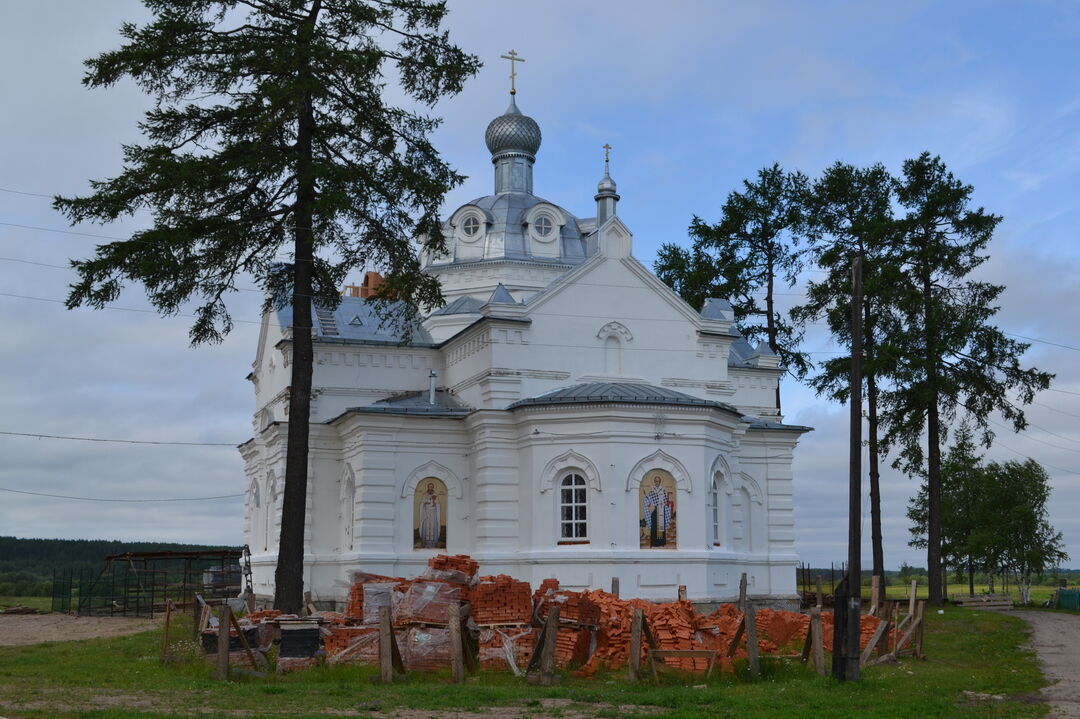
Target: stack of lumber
501 600
499 646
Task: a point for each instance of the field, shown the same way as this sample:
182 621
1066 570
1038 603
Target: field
1039 593
121 678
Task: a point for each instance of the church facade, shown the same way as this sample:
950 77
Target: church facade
565 415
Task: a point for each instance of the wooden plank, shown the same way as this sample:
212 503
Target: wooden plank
682 592
875 589
818 649
165 636
222 670
457 660
634 659
252 657
386 633
308 604
547 658
919 631
751 641
911 599
688 653
742 593
881 629
820 593
615 586
738 636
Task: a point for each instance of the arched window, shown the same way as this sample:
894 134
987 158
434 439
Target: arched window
573 510
271 508
715 516
612 355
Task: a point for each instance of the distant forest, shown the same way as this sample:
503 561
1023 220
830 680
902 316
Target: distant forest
27 565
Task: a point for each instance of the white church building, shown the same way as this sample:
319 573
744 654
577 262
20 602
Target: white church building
565 415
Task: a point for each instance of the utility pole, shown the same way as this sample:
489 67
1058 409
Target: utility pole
846 656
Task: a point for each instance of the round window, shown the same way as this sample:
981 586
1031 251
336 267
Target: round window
543 225
471 226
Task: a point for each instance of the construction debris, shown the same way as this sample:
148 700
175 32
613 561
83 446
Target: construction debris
503 616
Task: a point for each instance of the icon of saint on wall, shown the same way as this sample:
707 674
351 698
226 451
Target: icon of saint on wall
429 515
658 519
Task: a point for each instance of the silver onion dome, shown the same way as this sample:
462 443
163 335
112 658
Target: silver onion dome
513 132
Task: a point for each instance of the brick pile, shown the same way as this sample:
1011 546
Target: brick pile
354 607
674 627
424 602
424 648
342 637
574 607
501 600
455 563
572 646
497 645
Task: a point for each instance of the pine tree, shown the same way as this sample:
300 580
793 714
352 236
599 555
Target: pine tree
949 356
271 133
850 214
749 251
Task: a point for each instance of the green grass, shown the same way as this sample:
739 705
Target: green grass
1039 593
42 603
122 679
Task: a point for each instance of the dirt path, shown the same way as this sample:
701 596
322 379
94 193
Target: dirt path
17 629
1056 639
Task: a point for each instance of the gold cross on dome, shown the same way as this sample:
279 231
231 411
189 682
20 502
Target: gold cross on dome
607 152
513 58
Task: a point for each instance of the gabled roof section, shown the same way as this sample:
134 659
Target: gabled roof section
501 296
355 319
627 392
464 305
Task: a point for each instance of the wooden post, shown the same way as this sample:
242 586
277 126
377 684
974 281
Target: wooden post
911 599
249 601
257 661
682 592
874 641
635 645
919 631
223 643
547 658
817 650
386 661
751 641
165 636
820 593
875 588
615 586
457 659
742 593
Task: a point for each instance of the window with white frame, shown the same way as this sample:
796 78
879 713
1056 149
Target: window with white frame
714 514
573 509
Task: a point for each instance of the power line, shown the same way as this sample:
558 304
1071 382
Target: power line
122 309
1045 342
102 499
28 194
121 441
31 262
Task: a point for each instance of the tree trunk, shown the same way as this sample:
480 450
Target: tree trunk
289 574
971 576
933 453
874 458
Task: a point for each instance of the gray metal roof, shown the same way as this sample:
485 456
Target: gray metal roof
506 214
717 309
446 405
465 305
629 392
501 296
767 424
355 319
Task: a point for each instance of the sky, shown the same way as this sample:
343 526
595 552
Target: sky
692 96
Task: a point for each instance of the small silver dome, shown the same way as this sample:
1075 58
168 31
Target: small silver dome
513 132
